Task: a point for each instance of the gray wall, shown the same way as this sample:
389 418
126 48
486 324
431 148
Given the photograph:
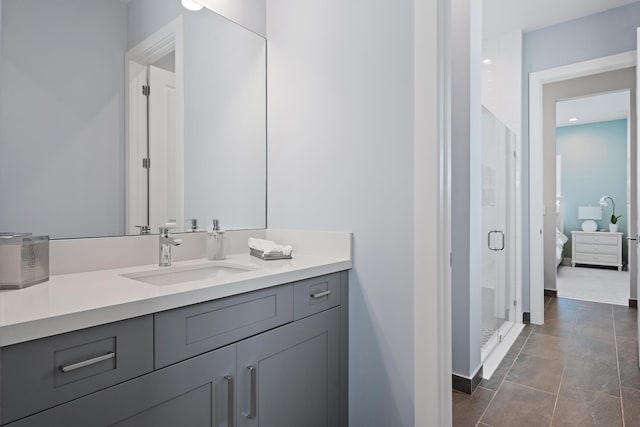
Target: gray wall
466 131
62 120
144 17
595 36
250 14
225 122
553 92
341 158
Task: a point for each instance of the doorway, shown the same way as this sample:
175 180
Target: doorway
593 182
603 75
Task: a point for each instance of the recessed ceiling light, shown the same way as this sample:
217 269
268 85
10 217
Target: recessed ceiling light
191 5
487 61
573 119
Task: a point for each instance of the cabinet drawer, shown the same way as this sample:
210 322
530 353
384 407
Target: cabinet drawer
600 239
43 373
314 295
192 393
595 258
189 331
597 249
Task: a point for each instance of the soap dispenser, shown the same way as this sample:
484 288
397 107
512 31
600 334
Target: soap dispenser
215 243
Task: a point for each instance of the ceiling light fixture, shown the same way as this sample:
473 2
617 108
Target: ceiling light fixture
487 61
573 119
191 5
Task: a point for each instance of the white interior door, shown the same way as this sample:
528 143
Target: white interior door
166 198
136 212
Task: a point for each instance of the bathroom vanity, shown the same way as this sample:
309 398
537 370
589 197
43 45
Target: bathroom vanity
112 338
266 346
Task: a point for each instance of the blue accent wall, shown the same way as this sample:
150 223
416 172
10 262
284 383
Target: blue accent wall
594 163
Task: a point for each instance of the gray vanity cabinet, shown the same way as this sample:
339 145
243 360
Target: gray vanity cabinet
275 357
192 393
290 376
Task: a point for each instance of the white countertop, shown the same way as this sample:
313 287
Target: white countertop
69 302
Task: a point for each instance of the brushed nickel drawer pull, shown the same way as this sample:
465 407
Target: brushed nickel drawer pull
230 404
88 362
321 294
252 393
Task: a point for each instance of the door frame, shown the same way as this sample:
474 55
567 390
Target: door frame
537 81
432 396
167 39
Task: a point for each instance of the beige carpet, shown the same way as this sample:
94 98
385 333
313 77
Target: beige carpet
594 284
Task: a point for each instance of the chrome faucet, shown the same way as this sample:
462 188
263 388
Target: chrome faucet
165 243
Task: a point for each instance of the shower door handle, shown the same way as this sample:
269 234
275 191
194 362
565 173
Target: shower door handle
501 235
489 240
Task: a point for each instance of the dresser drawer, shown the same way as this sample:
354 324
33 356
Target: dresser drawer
314 295
189 331
596 259
600 239
43 373
596 249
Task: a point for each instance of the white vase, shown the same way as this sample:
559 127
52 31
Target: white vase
613 228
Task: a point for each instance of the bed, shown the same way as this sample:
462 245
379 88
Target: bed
561 238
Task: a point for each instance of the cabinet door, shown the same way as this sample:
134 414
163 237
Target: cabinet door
196 393
290 376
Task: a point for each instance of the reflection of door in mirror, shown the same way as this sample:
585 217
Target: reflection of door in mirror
155 147
165 197
158 200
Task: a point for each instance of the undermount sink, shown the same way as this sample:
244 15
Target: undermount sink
175 275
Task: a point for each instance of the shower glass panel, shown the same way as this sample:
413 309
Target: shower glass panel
498 231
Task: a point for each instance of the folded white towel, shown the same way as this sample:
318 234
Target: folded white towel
269 247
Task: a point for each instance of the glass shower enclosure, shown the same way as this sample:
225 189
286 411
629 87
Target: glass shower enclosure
498 232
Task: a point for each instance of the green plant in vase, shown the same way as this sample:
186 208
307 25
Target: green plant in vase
613 221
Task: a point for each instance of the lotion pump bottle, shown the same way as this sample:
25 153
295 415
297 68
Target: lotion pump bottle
215 242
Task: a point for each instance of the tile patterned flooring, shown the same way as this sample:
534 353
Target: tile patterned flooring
578 369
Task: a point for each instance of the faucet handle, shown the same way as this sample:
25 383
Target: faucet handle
193 224
144 229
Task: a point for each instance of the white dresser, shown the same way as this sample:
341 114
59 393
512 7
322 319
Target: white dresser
596 248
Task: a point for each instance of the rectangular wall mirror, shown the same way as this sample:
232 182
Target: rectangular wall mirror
116 114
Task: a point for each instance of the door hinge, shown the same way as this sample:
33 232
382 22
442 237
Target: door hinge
514 303
450 259
146 90
146 163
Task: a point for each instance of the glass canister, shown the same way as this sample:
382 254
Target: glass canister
24 260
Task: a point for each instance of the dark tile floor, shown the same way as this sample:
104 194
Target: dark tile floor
578 369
